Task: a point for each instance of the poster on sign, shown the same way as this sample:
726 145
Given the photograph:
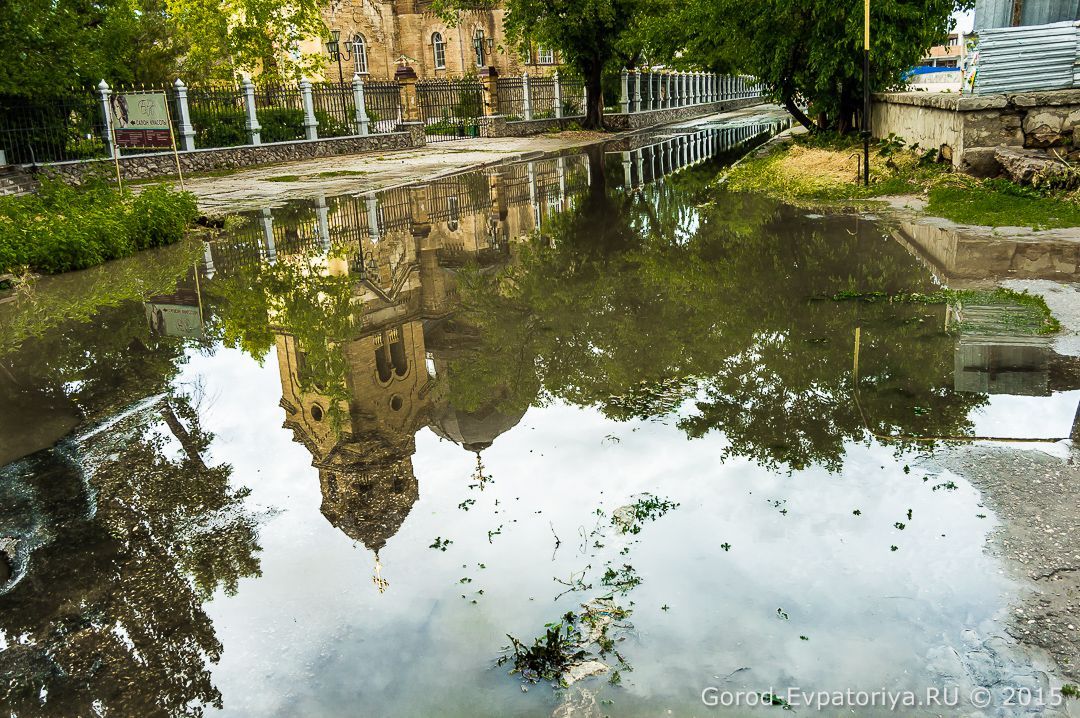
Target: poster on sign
140 120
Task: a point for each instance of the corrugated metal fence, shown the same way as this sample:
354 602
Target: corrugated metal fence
1025 58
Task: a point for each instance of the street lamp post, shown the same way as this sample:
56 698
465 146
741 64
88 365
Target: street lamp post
333 48
866 94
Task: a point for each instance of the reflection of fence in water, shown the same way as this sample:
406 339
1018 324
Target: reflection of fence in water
357 225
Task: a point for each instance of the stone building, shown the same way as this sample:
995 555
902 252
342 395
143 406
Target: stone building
374 34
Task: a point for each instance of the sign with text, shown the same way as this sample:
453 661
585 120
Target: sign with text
140 119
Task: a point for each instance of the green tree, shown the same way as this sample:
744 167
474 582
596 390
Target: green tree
709 309
806 51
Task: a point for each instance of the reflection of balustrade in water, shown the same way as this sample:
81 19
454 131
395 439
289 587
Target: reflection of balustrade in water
662 157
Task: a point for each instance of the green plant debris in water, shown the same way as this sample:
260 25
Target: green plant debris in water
629 518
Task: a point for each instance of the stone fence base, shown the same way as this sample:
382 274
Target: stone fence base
162 164
638 120
967 129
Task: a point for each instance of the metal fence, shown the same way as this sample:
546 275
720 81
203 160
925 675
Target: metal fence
54 129
217 116
542 97
573 96
383 101
450 109
70 126
510 98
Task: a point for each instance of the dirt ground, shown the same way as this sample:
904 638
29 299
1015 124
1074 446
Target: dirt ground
1037 497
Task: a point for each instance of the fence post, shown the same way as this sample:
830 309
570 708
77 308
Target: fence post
106 116
624 91
252 123
311 125
650 82
489 76
360 104
406 77
667 90
558 94
699 94
526 98
635 101
183 117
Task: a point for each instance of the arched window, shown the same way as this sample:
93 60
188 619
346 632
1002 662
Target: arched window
359 48
438 48
478 46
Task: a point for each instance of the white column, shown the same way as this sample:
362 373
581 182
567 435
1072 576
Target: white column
667 89
627 171
252 122
624 89
635 101
106 116
558 94
183 117
362 120
311 125
526 99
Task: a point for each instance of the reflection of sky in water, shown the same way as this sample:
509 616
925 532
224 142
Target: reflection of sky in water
1027 416
312 636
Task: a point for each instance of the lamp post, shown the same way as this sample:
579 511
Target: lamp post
333 48
866 94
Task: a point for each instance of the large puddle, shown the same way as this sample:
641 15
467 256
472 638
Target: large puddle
329 463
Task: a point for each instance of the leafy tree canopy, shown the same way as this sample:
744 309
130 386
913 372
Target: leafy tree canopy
48 46
809 51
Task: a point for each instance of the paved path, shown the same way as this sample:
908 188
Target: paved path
275 184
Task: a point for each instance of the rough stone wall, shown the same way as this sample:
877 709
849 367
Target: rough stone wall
967 129
650 118
162 164
524 128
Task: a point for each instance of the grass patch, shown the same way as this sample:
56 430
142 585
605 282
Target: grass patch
342 173
826 168
284 178
60 227
999 203
823 169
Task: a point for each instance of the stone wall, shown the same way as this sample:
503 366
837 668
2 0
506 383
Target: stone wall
524 128
650 118
162 164
968 128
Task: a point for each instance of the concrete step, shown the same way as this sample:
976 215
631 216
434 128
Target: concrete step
15 181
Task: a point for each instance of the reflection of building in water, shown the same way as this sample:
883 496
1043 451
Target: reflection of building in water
403 248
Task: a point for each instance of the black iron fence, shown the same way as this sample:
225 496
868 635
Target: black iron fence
572 90
382 98
510 98
52 129
450 108
217 116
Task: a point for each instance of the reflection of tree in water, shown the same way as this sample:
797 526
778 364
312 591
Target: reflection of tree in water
646 300
108 618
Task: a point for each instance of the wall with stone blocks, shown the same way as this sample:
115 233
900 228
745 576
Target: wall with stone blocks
968 128
650 118
162 164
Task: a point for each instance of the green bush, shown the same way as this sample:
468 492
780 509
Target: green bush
61 228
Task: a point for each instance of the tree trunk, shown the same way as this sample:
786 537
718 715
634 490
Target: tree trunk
799 115
594 89
181 433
